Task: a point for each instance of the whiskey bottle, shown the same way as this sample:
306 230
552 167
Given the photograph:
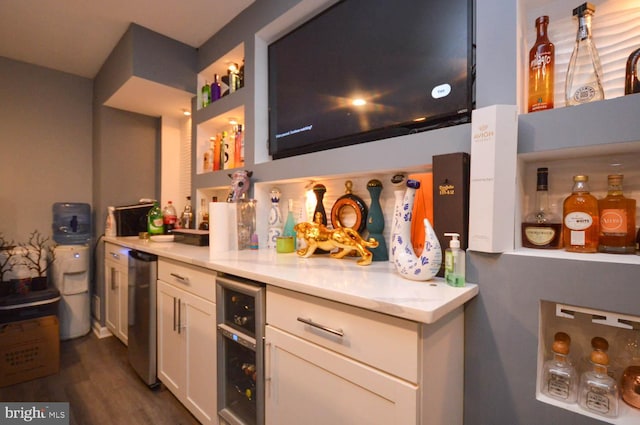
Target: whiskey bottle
541 69
617 219
580 218
584 75
560 379
541 228
598 391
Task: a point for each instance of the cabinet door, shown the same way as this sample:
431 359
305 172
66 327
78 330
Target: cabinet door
113 281
315 386
171 348
199 334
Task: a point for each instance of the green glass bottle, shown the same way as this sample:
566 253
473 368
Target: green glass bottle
155 225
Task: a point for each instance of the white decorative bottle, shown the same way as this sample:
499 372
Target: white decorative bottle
275 218
410 266
559 377
598 391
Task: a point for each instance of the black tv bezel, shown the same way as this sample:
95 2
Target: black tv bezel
448 119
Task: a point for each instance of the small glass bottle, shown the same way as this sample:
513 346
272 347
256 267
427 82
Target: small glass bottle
288 241
584 74
216 90
541 69
559 377
204 215
206 94
541 228
186 219
275 219
598 391
617 219
580 218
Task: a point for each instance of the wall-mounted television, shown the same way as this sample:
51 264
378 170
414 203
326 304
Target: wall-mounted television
364 70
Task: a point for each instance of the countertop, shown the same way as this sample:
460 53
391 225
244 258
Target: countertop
377 287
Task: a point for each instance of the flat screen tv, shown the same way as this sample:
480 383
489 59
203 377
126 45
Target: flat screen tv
364 70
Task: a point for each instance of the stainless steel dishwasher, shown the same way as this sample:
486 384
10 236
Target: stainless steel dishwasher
142 343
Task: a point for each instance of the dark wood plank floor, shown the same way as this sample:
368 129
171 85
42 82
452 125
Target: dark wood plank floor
101 388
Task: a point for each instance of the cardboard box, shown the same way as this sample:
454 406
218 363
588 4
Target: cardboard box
492 198
29 349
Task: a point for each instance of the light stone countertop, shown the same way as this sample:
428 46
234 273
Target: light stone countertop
377 287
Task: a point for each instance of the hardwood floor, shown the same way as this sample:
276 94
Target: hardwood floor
101 387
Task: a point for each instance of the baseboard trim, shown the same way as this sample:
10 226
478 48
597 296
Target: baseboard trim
100 331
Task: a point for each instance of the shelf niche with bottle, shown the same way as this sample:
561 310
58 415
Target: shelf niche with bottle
615 34
581 325
222 67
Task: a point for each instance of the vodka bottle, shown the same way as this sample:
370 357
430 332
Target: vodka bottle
584 75
541 69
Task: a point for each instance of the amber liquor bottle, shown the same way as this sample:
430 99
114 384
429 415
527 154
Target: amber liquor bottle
541 228
617 219
541 69
580 218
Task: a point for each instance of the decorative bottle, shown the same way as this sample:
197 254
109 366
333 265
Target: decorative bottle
186 219
559 377
617 219
631 81
375 221
580 218
541 69
319 213
275 219
408 265
541 228
206 94
239 147
397 180
216 90
288 243
584 75
598 391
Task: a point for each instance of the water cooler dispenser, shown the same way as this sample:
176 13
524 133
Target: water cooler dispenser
71 267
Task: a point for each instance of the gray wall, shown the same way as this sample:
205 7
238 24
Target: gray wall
46 131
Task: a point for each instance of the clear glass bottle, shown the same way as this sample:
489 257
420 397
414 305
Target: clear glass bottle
617 219
186 219
580 218
541 69
598 391
584 74
204 215
559 377
239 146
541 228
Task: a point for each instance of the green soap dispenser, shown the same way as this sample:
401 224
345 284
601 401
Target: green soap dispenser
454 262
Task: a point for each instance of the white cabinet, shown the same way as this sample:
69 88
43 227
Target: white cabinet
327 362
116 271
187 336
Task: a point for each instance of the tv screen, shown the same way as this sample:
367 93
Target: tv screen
364 70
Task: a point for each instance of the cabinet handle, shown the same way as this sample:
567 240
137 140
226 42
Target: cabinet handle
267 369
115 255
310 322
174 314
113 278
180 278
179 315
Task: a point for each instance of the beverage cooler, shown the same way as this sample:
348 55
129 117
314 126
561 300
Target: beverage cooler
240 320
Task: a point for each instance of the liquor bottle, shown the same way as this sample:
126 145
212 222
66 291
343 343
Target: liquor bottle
154 220
228 145
206 94
559 377
217 153
239 147
275 219
598 391
204 215
186 219
288 230
631 81
541 69
580 218
584 75
617 219
541 228
169 217
216 91
241 75
234 79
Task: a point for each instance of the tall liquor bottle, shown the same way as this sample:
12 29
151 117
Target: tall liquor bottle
216 89
206 94
617 219
584 75
559 377
541 228
580 218
541 69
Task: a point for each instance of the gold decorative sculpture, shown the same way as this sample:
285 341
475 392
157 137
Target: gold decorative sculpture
318 236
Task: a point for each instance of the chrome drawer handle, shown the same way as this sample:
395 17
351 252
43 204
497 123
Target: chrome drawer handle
180 278
310 322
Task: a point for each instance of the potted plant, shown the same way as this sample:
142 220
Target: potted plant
7 262
37 256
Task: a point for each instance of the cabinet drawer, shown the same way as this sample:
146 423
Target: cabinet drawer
384 342
116 253
196 280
